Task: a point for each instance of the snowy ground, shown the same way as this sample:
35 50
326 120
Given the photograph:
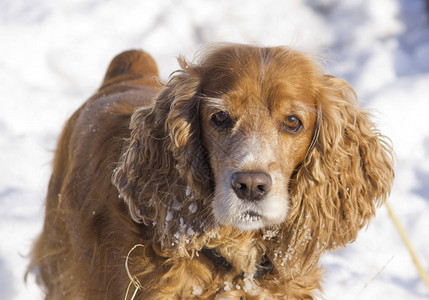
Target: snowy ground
53 55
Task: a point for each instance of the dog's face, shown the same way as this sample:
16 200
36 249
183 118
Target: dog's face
251 137
257 125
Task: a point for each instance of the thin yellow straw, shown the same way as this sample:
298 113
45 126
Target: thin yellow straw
133 279
407 242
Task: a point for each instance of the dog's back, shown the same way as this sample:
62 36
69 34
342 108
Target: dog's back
77 234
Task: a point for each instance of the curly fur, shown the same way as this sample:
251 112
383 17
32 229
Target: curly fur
149 145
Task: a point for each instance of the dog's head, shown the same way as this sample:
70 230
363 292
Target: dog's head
253 137
257 117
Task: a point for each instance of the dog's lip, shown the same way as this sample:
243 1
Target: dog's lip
251 213
250 216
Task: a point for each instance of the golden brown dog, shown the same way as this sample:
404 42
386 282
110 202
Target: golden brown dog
231 180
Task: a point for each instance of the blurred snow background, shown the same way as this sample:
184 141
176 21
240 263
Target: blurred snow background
53 55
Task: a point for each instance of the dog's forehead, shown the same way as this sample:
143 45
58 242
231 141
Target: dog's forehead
273 79
281 95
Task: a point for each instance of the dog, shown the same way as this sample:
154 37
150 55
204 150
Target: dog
229 180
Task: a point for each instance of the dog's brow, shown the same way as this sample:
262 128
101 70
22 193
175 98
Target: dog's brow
215 102
303 107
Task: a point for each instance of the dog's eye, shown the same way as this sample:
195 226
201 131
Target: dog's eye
221 119
292 124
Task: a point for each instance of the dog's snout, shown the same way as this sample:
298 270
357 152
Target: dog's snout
251 185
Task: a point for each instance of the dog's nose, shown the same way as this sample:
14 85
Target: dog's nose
251 186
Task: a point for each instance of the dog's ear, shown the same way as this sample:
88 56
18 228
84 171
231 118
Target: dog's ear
351 165
183 125
164 159
346 174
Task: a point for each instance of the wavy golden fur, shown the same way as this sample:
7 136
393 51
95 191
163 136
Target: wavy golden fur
252 151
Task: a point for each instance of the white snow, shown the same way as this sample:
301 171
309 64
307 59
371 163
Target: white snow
169 216
53 55
193 207
197 290
228 286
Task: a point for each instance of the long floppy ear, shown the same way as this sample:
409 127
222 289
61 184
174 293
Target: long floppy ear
351 165
346 174
164 162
